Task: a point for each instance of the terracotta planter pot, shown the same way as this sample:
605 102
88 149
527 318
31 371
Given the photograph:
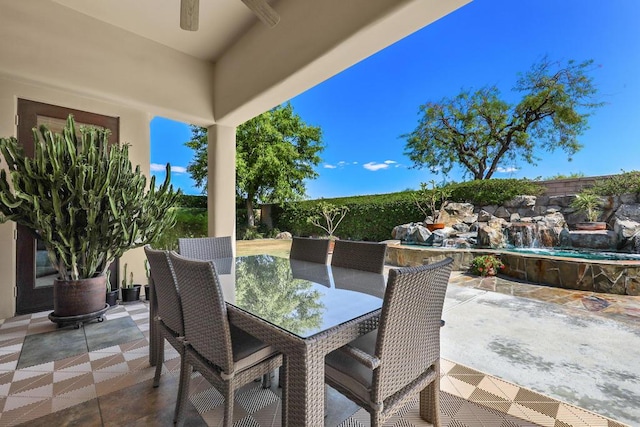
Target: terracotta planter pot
78 297
591 226
435 226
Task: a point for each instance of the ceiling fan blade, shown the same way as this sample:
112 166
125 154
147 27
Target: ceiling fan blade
189 14
264 12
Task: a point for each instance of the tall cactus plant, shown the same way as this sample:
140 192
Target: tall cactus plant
83 198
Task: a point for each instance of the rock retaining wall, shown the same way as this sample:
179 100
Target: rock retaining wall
615 277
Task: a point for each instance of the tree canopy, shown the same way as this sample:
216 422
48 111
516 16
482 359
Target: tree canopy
481 131
275 152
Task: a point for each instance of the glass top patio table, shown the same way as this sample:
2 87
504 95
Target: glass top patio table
300 297
304 310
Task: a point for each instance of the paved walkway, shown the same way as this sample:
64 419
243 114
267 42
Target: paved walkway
579 347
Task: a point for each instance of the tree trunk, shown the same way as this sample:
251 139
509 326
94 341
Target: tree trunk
251 219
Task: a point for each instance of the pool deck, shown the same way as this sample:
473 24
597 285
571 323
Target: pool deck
575 346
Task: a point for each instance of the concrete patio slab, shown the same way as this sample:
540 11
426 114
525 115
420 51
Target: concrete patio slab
567 353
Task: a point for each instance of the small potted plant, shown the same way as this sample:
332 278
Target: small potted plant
328 218
112 295
430 201
130 292
589 204
486 265
147 272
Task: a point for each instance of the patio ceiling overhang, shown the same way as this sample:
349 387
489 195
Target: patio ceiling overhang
130 59
134 53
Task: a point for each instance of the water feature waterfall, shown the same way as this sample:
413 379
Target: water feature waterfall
522 235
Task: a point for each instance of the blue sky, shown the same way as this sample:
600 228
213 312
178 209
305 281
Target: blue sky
364 110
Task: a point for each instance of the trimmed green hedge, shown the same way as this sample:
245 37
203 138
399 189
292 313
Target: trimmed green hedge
373 217
191 201
369 218
493 191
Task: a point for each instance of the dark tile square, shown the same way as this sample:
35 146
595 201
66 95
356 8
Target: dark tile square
54 345
111 332
67 342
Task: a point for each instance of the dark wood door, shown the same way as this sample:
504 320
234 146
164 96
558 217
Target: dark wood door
34 272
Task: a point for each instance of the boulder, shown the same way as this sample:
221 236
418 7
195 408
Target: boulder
484 216
501 212
520 202
284 235
563 201
461 227
625 228
438 237
601 240
629 211
454 213
419 234
489 208
490 234
555 219
411 233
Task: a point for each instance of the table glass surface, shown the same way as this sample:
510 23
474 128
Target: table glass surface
303 298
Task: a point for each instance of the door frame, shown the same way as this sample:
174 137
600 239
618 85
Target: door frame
29 298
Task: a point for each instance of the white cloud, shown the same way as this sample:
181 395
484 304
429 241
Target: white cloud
342 163
328 166
373 166
390 162
510 169
157 167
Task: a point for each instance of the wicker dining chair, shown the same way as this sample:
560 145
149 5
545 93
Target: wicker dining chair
169 322
225 356
365 256
206 248
308 249
384 369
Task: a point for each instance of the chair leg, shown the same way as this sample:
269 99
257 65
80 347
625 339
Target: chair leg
183 390
266 380
430 400
159 360
229 395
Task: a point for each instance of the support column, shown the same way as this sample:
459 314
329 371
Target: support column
221 189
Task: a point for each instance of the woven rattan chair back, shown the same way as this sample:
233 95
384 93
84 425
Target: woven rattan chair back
365 256
308 249
166 289
408 341
206 248
206 323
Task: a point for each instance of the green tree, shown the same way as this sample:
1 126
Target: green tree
480 131
275 152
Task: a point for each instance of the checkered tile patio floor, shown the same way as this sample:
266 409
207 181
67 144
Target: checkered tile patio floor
111 385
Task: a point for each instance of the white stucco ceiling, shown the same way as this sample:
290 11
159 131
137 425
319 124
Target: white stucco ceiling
221 22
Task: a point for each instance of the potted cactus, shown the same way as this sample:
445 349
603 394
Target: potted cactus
112 295
81 196
129 291
147 272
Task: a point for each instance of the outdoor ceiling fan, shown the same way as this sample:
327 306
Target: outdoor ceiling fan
189 13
